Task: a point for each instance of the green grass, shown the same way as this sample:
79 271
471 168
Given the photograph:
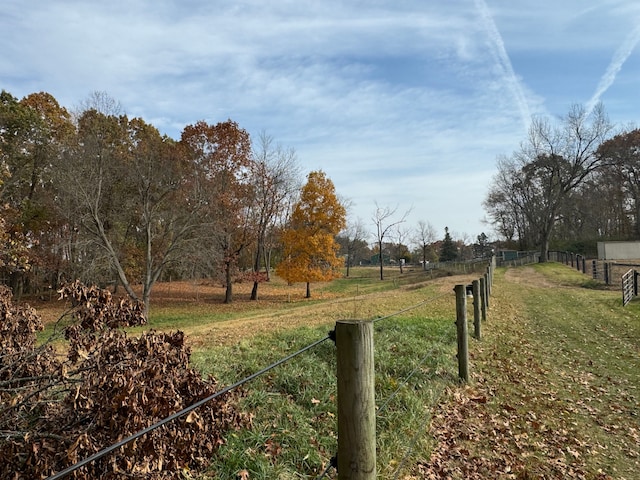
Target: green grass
596 361
294 406
554 393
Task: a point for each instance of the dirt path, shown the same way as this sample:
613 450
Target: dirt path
327 313
529 276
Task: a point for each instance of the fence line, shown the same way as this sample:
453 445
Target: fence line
605 271
348 456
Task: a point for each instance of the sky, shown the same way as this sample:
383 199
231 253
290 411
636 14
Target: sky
404 104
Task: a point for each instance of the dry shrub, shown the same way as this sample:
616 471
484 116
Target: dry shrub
56 412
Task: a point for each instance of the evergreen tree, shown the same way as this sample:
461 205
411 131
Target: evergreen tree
448 251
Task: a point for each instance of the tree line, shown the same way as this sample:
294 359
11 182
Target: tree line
571 183
97 196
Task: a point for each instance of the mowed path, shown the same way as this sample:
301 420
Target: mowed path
313 313
555 389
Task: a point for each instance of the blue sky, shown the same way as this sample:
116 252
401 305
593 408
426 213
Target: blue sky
406 103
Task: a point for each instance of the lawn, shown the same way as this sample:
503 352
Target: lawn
554 389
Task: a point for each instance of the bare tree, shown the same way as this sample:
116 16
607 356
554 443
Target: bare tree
622 154
351 238
384 223
425 235
276 178
399 247
539 179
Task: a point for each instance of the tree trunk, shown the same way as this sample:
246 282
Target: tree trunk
308 290
380 258
544 247
267 263
228 295
256 270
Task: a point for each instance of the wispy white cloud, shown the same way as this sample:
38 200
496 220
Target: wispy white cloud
405 102
510 77
619 58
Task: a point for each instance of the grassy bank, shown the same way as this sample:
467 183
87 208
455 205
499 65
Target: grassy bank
294 406
554 392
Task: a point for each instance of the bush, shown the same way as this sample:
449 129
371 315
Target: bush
57 411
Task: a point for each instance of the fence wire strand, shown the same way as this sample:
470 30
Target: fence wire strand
182 412
412 307
414 440
405 381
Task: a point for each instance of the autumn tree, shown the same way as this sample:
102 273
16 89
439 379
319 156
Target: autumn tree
222 156
131 193
384 223
274 176
309 245
32 135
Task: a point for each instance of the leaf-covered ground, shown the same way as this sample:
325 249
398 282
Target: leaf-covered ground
555 387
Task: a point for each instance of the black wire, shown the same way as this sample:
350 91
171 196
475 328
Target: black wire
333 463
168 419
414 441
413 307
408 377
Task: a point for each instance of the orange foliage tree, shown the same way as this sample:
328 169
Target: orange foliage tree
309 245
222 153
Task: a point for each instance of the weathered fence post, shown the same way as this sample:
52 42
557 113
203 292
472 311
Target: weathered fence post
463 341
356 400
483 299
476 309
487 290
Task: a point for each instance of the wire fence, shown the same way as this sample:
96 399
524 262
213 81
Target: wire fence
620 274
382 405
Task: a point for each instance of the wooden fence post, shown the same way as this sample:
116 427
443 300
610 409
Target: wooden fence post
483 299
487 290
356 400
463 341
476 309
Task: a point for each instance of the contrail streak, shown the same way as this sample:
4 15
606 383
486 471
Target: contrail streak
503 59
620 56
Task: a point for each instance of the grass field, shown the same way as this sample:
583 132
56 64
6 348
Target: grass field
554 392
